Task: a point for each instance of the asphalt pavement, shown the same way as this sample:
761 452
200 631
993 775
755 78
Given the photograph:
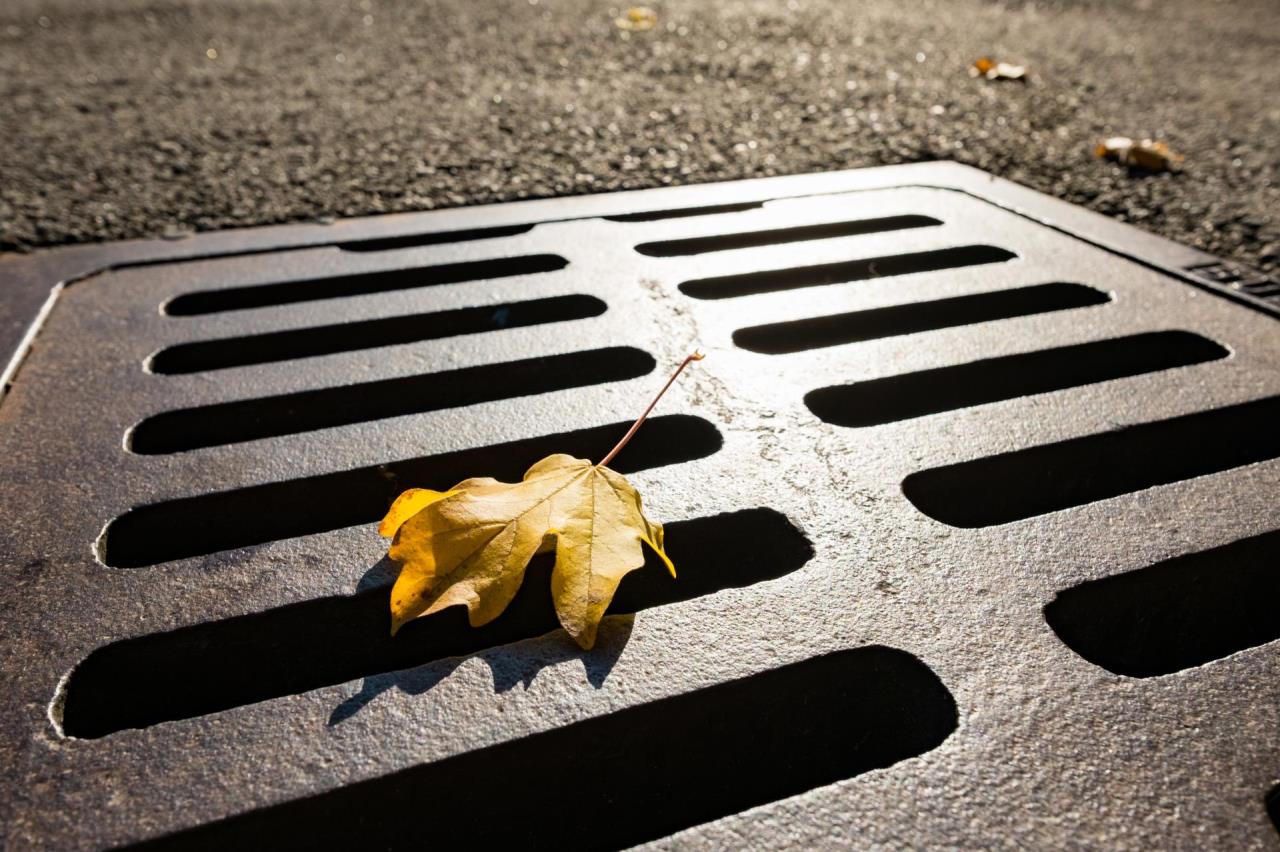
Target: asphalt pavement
136 118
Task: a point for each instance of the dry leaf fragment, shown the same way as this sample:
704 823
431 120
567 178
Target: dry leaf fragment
637 18
471 544
1146 154
990 69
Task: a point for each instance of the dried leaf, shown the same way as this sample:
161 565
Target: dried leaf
637 18
992 70
1146 154
470 545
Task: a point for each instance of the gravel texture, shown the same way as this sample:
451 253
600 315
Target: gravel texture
136 118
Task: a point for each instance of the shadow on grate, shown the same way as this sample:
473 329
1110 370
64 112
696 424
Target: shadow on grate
305 411
901 397
415 240
685 212
780 338
846 272
473 234
223 520
649 770
360 284
1021 484
1176 614
222 353
217 665
780 236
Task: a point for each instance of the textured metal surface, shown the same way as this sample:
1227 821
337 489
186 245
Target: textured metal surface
190 572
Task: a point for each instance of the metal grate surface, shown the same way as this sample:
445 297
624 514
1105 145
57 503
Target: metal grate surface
974 501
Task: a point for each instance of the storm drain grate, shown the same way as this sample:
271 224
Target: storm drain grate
975 490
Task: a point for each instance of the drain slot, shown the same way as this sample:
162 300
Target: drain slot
1273 806
414 240
287 414
780 338
217 665
847 272
367 334
661 767
1025 483
894 398
685 212
1176 614
779 236
223 520
315 289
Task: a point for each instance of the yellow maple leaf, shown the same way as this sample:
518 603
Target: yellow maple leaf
470 545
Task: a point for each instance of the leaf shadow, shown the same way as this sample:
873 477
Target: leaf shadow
1140 173
517 661
378 575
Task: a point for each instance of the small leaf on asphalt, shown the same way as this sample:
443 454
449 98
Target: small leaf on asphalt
992 70
637 18
1153 156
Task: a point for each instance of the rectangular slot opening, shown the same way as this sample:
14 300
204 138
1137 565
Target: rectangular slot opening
1176 614
1021 484
846 272
924 392
685 212
650 770
415 240
780 236
780 338
221 664
1273 806
203 355
360 284
223 520
287 414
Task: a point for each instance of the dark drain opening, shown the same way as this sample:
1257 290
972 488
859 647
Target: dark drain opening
1025 483
778 236
835 329
222 664
367 334
361 284
223 520
1273 806
1176 614
414 240
685 212
649 770
287 414
793 278
893 398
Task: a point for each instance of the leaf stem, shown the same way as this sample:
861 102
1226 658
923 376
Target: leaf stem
696 355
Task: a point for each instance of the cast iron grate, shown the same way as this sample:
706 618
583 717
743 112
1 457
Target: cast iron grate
968 474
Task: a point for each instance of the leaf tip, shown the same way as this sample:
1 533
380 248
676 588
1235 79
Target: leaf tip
408 504
662 554
398 617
